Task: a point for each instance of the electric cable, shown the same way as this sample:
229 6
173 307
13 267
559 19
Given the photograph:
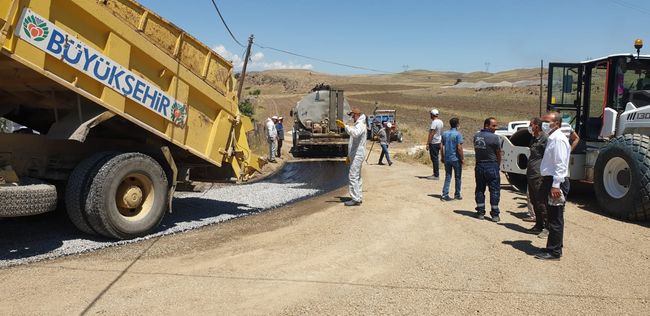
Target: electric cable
631 6
322 60
225 24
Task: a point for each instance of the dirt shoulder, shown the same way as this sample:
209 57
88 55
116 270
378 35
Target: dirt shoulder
403 251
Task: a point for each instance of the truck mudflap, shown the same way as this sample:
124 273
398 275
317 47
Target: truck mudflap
242 159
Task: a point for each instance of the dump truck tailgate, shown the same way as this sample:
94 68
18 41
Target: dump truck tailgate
137 65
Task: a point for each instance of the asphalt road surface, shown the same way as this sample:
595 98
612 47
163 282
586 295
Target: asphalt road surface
30 239
402 252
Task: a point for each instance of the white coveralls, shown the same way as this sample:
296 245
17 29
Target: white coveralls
271 137
356 154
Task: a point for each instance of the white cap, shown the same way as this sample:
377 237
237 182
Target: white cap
280 118
435 112
274 117
389 125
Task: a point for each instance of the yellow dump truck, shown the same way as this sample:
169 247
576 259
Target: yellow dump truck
117 106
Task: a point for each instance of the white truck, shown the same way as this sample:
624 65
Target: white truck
511 128
608 102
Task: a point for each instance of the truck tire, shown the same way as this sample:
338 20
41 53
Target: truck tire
622 177
400 138
31 197
77 188
127 197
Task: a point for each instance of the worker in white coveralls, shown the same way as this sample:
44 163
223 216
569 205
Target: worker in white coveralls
271 137
356 153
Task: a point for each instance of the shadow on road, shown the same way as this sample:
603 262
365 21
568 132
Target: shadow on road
583 196
519 215
525 246
471 214
339 199
517 228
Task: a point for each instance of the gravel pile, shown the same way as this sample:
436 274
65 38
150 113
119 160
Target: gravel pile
24 240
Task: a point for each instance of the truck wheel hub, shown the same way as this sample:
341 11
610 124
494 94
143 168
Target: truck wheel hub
132 197
617 177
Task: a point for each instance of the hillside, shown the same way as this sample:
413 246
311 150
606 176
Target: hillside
411 93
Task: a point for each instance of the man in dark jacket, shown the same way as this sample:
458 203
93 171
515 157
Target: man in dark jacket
280 128
487 147
534 176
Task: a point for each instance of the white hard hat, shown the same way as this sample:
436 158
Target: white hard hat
435 112
389 125
280 118
274 117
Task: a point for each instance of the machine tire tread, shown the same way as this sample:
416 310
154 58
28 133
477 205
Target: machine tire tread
77 188
31 197
635 207
99 207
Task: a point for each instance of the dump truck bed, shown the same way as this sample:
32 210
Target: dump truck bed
131 62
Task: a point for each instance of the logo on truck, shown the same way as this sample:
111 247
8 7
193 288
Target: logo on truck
74 52
35 28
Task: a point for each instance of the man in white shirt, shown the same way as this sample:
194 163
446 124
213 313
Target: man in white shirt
433 143
271 137
555 184
356 154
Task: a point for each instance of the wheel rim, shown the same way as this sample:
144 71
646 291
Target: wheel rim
135 196
617 177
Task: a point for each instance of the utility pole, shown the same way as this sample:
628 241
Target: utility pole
243 71
541 85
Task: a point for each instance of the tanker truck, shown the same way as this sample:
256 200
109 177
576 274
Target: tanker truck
315 133
120 106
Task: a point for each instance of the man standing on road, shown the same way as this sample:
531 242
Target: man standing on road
487 147
280 128
356 153
534 177
433 143
384 140
451 152
555 183
271 137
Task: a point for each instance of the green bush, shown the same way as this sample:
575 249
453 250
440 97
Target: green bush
255 92
246 108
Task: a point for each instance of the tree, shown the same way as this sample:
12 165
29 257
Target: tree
246 108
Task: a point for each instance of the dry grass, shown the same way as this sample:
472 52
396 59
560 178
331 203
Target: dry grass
412 94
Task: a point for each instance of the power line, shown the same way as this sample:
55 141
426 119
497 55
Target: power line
322 60
631 6
225 24
292 53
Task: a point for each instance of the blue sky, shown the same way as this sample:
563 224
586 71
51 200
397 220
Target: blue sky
433 35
